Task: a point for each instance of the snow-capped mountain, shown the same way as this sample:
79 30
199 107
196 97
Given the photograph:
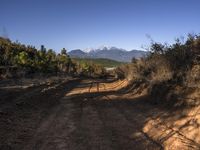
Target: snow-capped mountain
113 53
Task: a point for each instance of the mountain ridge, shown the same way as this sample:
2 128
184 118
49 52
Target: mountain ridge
112 53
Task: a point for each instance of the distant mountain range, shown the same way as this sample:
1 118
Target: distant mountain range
108 53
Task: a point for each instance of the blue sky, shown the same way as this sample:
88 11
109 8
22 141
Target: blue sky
84 24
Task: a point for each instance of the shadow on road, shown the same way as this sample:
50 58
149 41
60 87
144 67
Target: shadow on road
22 111
91 114
135 122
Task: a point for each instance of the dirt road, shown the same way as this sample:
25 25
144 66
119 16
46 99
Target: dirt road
76 115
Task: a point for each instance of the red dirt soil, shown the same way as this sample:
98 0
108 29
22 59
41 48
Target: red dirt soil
85 114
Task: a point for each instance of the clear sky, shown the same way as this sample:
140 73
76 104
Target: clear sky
83 24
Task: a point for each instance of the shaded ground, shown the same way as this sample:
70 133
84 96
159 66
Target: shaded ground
83 115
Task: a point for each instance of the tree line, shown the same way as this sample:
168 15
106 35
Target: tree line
30 60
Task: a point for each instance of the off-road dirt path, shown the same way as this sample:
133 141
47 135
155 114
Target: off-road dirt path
84 120
77 115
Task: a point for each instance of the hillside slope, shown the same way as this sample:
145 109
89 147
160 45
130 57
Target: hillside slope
100 61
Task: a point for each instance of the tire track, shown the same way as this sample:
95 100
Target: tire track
133 137
26 117
55 131
120 128
131 118
87 121
188 142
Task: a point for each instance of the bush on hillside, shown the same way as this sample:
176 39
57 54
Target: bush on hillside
167 67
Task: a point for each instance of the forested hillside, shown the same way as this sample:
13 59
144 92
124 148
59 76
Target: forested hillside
100 61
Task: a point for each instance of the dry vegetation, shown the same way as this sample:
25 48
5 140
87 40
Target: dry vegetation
170 71
168 78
